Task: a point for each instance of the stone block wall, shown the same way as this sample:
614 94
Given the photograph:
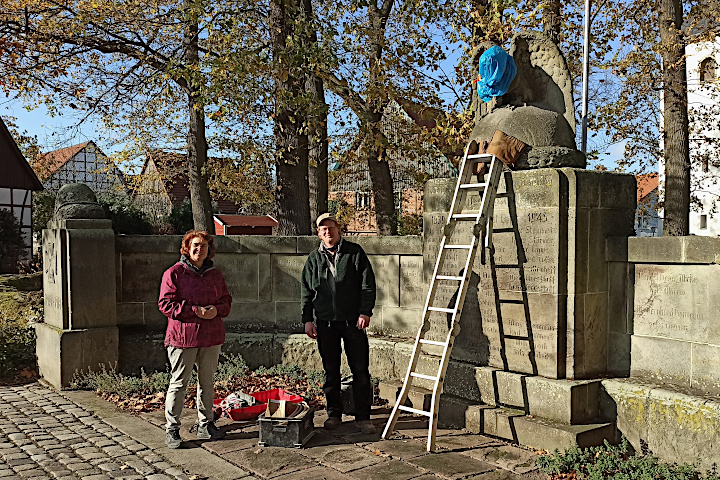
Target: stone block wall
263 276
663 318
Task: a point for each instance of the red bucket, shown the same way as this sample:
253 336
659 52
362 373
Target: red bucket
254 411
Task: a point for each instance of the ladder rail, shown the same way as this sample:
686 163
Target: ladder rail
482 217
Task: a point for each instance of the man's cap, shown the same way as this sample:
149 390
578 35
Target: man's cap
325 216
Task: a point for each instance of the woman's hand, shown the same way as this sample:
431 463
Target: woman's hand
207 313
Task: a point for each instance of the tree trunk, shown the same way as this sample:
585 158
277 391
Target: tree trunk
373 148
373 152
675 132
551 21
318 150
291 141
197 145
317 132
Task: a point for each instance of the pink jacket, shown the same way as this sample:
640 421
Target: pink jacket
182 290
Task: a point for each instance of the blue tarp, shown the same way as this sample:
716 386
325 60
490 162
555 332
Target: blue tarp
495 73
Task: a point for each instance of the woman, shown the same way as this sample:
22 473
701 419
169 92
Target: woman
195 299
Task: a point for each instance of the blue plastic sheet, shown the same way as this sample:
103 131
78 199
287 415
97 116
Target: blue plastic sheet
495 73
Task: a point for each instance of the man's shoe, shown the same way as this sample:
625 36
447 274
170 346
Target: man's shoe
209 431
172 439
366 426
332 423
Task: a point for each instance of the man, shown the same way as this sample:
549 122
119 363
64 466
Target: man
338 289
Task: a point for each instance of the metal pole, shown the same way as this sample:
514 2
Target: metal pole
586 75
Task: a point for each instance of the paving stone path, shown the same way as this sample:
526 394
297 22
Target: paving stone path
43 435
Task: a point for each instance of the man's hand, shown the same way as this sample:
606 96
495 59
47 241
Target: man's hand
363 322
207 313
310 330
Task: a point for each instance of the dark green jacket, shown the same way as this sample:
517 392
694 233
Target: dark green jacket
354 286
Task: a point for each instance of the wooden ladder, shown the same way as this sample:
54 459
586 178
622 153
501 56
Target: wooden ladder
481 233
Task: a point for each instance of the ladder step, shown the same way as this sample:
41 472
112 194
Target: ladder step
433 342
458 247
423 376
473 185
465 216
414 410
450 277
440 309
480 156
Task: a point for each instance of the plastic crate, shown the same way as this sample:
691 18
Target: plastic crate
254 411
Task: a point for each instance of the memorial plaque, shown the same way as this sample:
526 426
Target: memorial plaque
241 272
141 274
412 288
287 271
677 301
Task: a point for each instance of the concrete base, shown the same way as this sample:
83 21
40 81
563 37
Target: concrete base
61 353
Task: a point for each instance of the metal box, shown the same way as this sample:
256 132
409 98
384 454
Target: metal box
286 432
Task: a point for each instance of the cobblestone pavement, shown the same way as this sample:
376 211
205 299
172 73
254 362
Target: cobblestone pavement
43 435
46 435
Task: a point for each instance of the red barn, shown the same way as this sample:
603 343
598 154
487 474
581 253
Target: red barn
244 224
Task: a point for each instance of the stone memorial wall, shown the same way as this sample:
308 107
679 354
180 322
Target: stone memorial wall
538 303
664 323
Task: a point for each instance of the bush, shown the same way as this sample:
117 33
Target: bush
126 218
617 463
43 208
12 245
17 347
231 367
110 382
181 217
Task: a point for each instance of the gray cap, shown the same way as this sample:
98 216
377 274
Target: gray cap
325 216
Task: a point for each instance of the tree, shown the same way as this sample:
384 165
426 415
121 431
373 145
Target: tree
289 130
675 133
382 50
131 59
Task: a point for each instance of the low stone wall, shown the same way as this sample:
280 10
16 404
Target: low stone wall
263 276
665 337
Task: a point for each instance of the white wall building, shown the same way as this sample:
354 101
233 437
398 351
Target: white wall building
83 163
703 60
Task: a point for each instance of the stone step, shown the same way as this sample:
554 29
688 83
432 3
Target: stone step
517 427
418 397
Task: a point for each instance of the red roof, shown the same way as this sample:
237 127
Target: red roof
646 183
50 162
247 220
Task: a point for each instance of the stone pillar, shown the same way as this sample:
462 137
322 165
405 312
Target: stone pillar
538 305
80 328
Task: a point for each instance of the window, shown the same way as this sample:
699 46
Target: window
363 200
642 220
708 70
703 222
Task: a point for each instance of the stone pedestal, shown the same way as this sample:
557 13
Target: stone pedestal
538 305
80 330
